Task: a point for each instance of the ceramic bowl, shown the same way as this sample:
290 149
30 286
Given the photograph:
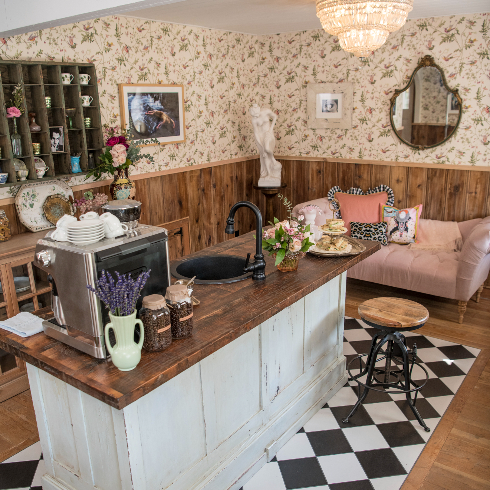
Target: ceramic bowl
3 178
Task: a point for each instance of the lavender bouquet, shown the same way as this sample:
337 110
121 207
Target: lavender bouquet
121 296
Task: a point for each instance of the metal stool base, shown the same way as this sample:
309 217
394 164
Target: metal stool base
394 340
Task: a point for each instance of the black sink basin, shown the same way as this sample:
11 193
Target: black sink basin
217 269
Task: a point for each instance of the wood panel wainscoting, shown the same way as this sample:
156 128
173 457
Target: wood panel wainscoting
206 193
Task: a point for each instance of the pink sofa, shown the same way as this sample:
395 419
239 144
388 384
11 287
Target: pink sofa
454 275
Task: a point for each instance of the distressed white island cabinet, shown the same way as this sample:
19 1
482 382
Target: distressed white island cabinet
211 410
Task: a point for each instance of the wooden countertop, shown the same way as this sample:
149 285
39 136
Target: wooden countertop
226 312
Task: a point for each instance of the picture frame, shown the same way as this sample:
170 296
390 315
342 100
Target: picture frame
329 105
452 104
57 140
153 111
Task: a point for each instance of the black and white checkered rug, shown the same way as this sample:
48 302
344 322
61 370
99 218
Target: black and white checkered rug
376 450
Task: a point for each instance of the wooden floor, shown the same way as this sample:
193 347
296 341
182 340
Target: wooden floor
457 455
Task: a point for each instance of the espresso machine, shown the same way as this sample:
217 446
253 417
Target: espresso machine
79 317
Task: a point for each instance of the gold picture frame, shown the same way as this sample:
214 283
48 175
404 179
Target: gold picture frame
153 111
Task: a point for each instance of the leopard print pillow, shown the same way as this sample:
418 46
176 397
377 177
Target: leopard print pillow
375 232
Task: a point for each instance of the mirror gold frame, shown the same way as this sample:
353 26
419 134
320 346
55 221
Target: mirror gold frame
426 61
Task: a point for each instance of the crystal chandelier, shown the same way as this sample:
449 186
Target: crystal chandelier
362 26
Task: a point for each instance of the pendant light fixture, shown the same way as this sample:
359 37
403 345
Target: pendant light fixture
362 26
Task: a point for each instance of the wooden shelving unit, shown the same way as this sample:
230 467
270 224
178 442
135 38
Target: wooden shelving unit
40 80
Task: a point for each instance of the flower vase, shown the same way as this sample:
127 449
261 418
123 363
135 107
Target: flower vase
126 353
310 217
16 141
122 187
290 262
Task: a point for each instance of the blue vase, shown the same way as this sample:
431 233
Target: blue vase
75 165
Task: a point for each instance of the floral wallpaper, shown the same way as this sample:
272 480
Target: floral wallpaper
459 44
224 73
216 68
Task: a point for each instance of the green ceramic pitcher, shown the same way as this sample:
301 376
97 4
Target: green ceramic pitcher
126 353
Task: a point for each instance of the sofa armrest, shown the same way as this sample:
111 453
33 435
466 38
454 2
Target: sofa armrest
474 261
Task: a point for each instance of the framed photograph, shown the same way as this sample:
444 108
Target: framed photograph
153 111
452 104
329 105
57 139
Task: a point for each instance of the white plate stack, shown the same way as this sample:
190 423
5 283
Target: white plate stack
86 232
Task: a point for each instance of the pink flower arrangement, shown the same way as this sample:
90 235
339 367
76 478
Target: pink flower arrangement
13 112
119 154
310 208
117 140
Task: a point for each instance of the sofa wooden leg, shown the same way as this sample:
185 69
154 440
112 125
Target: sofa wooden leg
478 293
461 310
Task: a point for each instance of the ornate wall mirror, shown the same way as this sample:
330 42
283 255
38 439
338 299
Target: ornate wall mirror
426 112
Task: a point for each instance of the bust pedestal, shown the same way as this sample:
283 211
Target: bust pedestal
269 193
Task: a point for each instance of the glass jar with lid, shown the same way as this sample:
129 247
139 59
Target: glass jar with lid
181 312
156 322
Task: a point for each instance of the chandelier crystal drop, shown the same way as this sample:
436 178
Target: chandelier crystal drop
362 26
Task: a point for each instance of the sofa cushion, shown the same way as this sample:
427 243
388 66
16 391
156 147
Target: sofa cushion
360 208
416 270
375 232
402 223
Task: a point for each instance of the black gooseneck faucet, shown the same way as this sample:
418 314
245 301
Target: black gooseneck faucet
258 266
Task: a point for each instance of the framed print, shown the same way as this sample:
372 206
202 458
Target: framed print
452 104
329 105
56 138
153 112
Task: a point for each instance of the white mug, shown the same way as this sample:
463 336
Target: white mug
112 226
86 100
89 215
66 78
65 221
60 235
84 79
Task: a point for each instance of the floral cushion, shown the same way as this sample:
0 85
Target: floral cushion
402 223
375 232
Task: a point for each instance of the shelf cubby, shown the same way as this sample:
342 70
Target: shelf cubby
38 81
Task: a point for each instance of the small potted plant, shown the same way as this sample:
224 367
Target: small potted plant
288 240
90 201
120 298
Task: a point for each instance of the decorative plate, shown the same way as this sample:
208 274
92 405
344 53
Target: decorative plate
19 164
30 199
21 284
39 163
56 206
357 248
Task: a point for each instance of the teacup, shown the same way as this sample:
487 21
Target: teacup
66 78
22 174
112 226
65 221
60 235
89 215
40 171
84 78
3 178
86 100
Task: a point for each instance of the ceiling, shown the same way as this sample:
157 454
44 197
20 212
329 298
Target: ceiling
274 16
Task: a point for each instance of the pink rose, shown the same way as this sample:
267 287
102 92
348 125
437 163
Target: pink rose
118 153
13 112
295 246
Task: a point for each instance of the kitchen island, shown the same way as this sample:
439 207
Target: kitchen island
210 410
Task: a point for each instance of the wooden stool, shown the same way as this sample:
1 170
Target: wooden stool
390 316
